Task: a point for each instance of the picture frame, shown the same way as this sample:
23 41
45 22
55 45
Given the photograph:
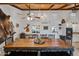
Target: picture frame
45 27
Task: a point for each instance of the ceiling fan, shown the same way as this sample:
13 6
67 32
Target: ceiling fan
74 9
30 15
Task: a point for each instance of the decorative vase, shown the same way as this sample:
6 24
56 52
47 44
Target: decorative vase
39 41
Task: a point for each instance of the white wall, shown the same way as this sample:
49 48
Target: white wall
52 18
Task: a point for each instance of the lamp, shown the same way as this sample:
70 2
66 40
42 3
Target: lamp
29 14
74 11
73 14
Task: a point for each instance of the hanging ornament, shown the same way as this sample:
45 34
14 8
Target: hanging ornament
63 21
27 28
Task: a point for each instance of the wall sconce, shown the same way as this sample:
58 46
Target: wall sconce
60 26
63 21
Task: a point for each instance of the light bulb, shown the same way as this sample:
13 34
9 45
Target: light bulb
28 18
73 14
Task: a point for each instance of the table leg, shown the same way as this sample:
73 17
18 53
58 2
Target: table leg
39 53
71 53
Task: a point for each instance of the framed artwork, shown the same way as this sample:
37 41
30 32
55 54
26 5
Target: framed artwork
45 27
33 27
37 26
17 25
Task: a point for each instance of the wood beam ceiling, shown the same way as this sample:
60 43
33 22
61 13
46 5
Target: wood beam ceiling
50 6
74 6
27 6
15 6
63 6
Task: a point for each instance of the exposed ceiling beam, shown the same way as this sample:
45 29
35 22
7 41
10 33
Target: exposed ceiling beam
63 6
27 6
15 6
74 6
50 6
77 5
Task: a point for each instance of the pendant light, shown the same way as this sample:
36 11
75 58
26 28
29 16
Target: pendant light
73 10
29 14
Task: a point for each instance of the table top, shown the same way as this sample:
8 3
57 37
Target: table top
25 43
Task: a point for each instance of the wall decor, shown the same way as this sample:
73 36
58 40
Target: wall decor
17 25
60 26
63 21
27 28
45 27
37 26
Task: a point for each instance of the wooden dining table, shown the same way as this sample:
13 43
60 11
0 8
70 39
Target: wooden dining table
50 45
